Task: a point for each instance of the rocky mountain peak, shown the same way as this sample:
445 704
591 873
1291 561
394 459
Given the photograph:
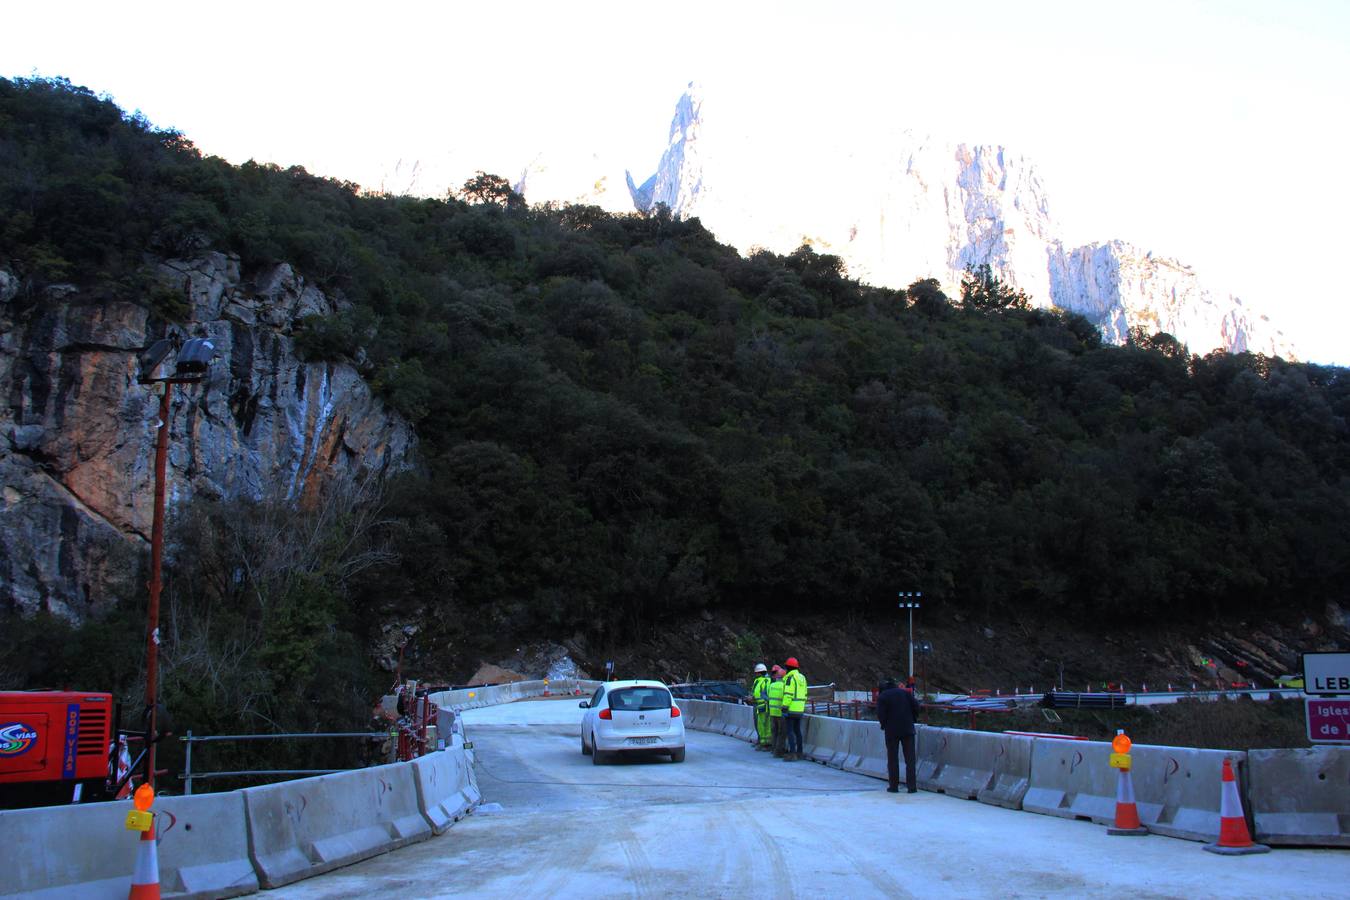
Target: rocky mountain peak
898 207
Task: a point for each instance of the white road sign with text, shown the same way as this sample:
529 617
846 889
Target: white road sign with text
1326 673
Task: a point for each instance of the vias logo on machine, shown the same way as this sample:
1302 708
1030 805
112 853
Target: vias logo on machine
16 738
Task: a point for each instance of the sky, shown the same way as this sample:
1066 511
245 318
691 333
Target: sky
1204 131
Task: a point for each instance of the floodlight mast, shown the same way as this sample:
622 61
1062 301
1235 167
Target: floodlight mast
150 361
910 600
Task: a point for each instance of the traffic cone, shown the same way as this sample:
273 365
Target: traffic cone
1127 813
145 880
1234 838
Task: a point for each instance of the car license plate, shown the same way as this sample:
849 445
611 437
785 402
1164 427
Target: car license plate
651 740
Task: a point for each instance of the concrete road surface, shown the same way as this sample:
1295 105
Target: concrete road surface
730 822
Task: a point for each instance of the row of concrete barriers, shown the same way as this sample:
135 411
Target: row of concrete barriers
494 694
1293 797
229 844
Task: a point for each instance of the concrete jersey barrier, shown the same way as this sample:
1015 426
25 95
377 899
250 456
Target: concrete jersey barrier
86 851
732 719
826 739
1071 780
297 829
447 788
976 765
699 712
1300 796
1178 790
736 720
866 750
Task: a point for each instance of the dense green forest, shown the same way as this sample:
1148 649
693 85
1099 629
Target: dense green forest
622 419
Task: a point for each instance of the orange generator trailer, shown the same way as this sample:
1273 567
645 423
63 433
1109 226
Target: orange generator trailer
57 747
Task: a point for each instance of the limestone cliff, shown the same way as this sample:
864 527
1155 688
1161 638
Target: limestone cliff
897 206
1118 286
77 433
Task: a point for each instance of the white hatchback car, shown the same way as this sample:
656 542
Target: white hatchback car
626 716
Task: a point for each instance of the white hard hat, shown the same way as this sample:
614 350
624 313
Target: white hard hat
760 667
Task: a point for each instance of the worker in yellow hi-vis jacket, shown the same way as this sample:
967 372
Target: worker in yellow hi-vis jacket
794 708
759 692
776 709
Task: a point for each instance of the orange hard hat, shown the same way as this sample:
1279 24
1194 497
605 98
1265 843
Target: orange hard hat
791 662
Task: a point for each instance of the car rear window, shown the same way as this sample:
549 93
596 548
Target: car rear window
637 698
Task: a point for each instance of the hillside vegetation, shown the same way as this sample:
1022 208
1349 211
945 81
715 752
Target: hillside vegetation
623 420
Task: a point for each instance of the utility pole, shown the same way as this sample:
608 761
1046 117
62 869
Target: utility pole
910 600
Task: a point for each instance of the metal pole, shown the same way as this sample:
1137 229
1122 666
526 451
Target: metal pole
156 562
910 601
911 642
187 765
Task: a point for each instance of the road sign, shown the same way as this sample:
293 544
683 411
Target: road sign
1326 673
1328 720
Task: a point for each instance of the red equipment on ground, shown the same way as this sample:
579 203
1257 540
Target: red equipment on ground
57 747
414 731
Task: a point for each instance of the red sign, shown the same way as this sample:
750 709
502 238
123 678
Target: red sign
1328 721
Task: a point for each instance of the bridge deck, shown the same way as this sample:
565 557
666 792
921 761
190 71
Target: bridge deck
730 822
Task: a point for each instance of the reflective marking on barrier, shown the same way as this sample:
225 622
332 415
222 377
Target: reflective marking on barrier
296 814
173 820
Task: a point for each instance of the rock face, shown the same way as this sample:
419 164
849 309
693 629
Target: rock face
77 434
1118 286
678 180
898 207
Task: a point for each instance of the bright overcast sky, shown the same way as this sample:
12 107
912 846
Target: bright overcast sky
1207 131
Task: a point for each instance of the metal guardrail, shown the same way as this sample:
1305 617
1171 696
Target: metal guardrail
188 776
842 709
1133 698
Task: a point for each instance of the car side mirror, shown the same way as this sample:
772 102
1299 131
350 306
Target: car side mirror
585 704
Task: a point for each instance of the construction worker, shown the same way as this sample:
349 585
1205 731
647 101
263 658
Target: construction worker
776 709
794 708
760 693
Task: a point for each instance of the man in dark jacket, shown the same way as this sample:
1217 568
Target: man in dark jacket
897 708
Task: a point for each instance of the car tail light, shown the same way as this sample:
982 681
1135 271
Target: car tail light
606 714
674 712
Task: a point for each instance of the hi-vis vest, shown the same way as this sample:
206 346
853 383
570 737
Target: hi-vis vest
776 698
794 692
760 690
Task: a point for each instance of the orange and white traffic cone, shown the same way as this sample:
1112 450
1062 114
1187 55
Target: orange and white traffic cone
1234 838
145 880
1127 813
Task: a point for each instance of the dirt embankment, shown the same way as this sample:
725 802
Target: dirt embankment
969 653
